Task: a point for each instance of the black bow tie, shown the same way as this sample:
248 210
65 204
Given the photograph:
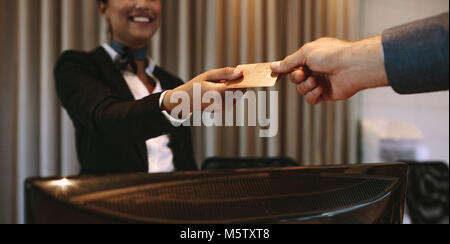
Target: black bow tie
122 61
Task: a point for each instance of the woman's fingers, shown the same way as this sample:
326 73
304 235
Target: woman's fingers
227 74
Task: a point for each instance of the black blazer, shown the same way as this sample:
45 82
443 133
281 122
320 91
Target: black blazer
111 127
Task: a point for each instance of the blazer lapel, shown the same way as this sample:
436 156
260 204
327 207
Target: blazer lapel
113 76
167 84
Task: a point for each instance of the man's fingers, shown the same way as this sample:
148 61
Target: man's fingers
315 96
307 86
298 76
290 63
227 74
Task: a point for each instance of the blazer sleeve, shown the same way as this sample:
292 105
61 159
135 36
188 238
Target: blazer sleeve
417 55
91 103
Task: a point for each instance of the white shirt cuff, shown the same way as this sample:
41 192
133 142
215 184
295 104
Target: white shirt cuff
175 121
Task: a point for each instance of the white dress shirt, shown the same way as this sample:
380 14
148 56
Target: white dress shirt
160 156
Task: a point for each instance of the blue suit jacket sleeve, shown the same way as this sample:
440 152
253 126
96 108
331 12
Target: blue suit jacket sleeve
417 55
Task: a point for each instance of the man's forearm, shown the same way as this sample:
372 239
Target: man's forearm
366 60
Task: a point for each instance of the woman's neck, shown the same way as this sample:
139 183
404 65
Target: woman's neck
131 46
142 65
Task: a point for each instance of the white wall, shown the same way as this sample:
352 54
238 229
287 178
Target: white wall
429 112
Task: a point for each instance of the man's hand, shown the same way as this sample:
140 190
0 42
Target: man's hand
330 70
213 80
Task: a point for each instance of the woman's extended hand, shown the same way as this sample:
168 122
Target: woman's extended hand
214 80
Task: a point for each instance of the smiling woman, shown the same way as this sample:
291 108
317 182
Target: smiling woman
118 98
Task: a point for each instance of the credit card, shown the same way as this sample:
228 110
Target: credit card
255 76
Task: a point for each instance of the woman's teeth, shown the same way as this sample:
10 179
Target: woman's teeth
141 19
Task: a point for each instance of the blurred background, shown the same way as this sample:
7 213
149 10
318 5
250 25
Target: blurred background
37 137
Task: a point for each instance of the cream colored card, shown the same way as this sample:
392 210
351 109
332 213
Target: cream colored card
255 75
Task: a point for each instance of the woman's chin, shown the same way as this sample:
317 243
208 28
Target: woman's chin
142 35
140 41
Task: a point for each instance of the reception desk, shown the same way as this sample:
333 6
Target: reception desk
373 193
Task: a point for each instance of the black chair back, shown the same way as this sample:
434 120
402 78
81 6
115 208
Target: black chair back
427 196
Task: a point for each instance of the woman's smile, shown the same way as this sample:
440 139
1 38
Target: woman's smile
141 19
